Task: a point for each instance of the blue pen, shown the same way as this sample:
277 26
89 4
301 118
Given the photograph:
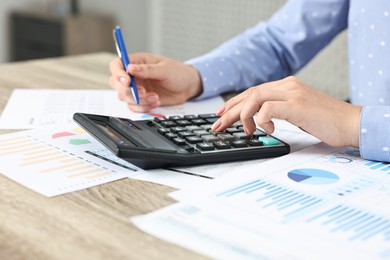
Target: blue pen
122 53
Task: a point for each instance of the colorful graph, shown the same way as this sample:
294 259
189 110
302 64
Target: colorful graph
48 159
75 131
43 166
313 176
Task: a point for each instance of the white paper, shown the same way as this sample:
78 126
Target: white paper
54 161
318 203
31 108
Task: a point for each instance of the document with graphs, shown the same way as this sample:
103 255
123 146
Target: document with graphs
318 203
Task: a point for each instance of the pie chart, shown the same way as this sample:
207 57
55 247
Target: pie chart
313 176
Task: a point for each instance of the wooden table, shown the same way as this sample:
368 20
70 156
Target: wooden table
88 224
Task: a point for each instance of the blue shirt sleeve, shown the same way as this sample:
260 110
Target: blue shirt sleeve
282 45
369 74
375 133
274 49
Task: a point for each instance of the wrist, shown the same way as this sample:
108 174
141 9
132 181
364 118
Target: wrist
195 88
355 125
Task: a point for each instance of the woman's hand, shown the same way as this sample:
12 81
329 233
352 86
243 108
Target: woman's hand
332 121
160 81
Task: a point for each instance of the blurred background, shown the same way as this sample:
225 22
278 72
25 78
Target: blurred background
180 29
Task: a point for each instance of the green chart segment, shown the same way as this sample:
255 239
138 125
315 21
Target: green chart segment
79 141
313 176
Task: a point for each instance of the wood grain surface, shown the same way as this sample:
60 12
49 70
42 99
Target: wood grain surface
88 224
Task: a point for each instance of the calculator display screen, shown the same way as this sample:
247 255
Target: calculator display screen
115 136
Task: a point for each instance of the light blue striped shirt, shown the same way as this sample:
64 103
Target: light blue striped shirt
292 36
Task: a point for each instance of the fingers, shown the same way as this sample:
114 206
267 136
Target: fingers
117 70
147 102
119 79
228 118
254 100
270 110
147 71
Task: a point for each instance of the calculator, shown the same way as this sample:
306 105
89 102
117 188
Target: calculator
186 140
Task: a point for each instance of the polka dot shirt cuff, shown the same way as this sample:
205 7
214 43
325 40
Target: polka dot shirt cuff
375 133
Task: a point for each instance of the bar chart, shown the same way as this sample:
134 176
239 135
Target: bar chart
56 162
356 224
378 167
260 196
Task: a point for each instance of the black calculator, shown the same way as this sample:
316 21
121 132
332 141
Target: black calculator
179 140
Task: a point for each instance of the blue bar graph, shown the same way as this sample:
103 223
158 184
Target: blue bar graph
384 167
359 224
269 196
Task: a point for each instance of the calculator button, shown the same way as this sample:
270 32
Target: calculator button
226 137
200 132
241 136
192 128
167 123
179 141
194 139
208 115
210 138
205 146
232 130
268 140
215 133
173 118
198 121
211 120
158 119
254 142
183 122
257 133
170 135
162 131
239 143
185 134
206 127
222 145
178 129
190 117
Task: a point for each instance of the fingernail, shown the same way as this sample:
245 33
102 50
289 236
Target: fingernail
141 92
152 99
124 81
154 105
216 125
220 111
135 67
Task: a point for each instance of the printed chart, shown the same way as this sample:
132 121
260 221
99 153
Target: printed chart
322 199
264 197
57 162
313 176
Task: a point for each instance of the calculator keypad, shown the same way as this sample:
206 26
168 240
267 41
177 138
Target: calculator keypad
193 133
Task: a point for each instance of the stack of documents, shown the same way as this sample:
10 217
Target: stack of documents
318 203
57 156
